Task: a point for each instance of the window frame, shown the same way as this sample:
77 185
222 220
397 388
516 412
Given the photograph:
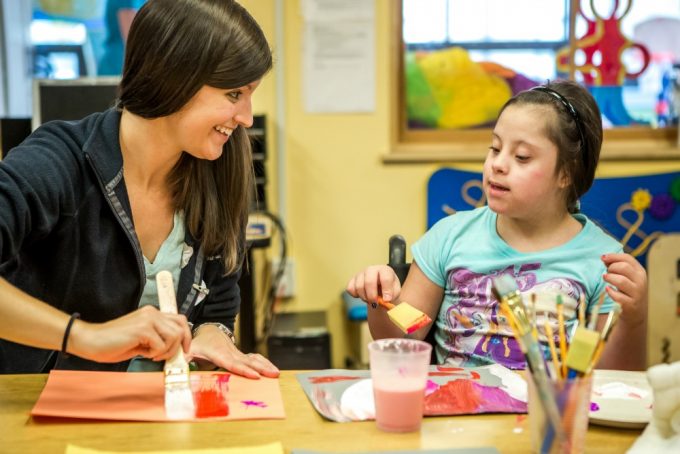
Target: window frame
409 145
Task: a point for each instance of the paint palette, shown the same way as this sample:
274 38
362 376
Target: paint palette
621 398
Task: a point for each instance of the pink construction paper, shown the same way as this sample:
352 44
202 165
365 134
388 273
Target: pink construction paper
139 396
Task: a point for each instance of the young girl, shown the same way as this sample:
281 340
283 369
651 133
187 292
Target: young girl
93 209
543 154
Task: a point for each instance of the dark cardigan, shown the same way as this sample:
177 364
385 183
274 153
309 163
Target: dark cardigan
67 238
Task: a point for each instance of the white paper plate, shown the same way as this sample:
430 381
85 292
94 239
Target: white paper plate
621 399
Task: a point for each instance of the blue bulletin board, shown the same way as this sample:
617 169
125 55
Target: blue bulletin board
635 210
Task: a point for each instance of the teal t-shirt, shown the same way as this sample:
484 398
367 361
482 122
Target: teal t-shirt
463 252
169 257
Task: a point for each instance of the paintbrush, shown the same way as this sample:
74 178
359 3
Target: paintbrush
581 320
553 351
405 316
179 400
594 313
506 291
562 335
581 351
612 318
582 309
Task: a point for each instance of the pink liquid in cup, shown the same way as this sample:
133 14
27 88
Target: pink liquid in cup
399 374
398 410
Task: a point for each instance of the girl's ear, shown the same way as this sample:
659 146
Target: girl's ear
563 180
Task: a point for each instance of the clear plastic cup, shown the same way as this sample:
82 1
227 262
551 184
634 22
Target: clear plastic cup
399 370
573 402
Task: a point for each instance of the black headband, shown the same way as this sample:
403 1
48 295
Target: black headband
572 112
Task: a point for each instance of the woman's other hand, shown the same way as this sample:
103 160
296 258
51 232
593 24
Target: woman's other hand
214 346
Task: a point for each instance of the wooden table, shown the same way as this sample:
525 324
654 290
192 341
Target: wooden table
303 428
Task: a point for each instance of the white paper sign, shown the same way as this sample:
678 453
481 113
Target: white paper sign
339 56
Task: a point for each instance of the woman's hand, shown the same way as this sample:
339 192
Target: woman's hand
146 332
214 346
374 281
629 281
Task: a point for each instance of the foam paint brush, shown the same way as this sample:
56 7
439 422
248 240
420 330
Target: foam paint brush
506 291
405 316
581 351
179 400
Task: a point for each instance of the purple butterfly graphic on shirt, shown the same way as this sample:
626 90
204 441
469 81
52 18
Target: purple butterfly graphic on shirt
474 325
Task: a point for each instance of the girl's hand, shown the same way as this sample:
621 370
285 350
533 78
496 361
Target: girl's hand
374 281
627 346
214 346
629 278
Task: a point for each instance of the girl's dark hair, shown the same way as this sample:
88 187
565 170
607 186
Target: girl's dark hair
577 131
174 48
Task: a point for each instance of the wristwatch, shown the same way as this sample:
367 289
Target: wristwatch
219 326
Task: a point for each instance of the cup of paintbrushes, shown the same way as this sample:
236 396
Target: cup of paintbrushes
573 400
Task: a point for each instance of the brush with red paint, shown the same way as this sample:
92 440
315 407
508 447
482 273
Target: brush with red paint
405 316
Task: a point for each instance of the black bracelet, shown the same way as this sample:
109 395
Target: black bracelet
64 342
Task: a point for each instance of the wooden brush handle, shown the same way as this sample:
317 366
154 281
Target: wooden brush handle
166 292
385 304
167 302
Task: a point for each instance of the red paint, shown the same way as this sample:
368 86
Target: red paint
423 320
331 379
211 403
461 393
211 397
221 379
467 397
453 372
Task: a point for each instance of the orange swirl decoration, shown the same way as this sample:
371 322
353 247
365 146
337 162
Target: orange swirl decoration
467 197
640 201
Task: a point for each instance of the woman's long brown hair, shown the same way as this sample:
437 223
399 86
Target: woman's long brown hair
175 47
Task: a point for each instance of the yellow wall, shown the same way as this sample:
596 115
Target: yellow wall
342 202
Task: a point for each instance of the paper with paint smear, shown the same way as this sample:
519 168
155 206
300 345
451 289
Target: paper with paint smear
272 448
125 396
347 395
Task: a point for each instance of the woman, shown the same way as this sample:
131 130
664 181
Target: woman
163 181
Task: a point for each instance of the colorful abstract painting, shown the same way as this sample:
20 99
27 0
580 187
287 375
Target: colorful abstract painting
347 395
